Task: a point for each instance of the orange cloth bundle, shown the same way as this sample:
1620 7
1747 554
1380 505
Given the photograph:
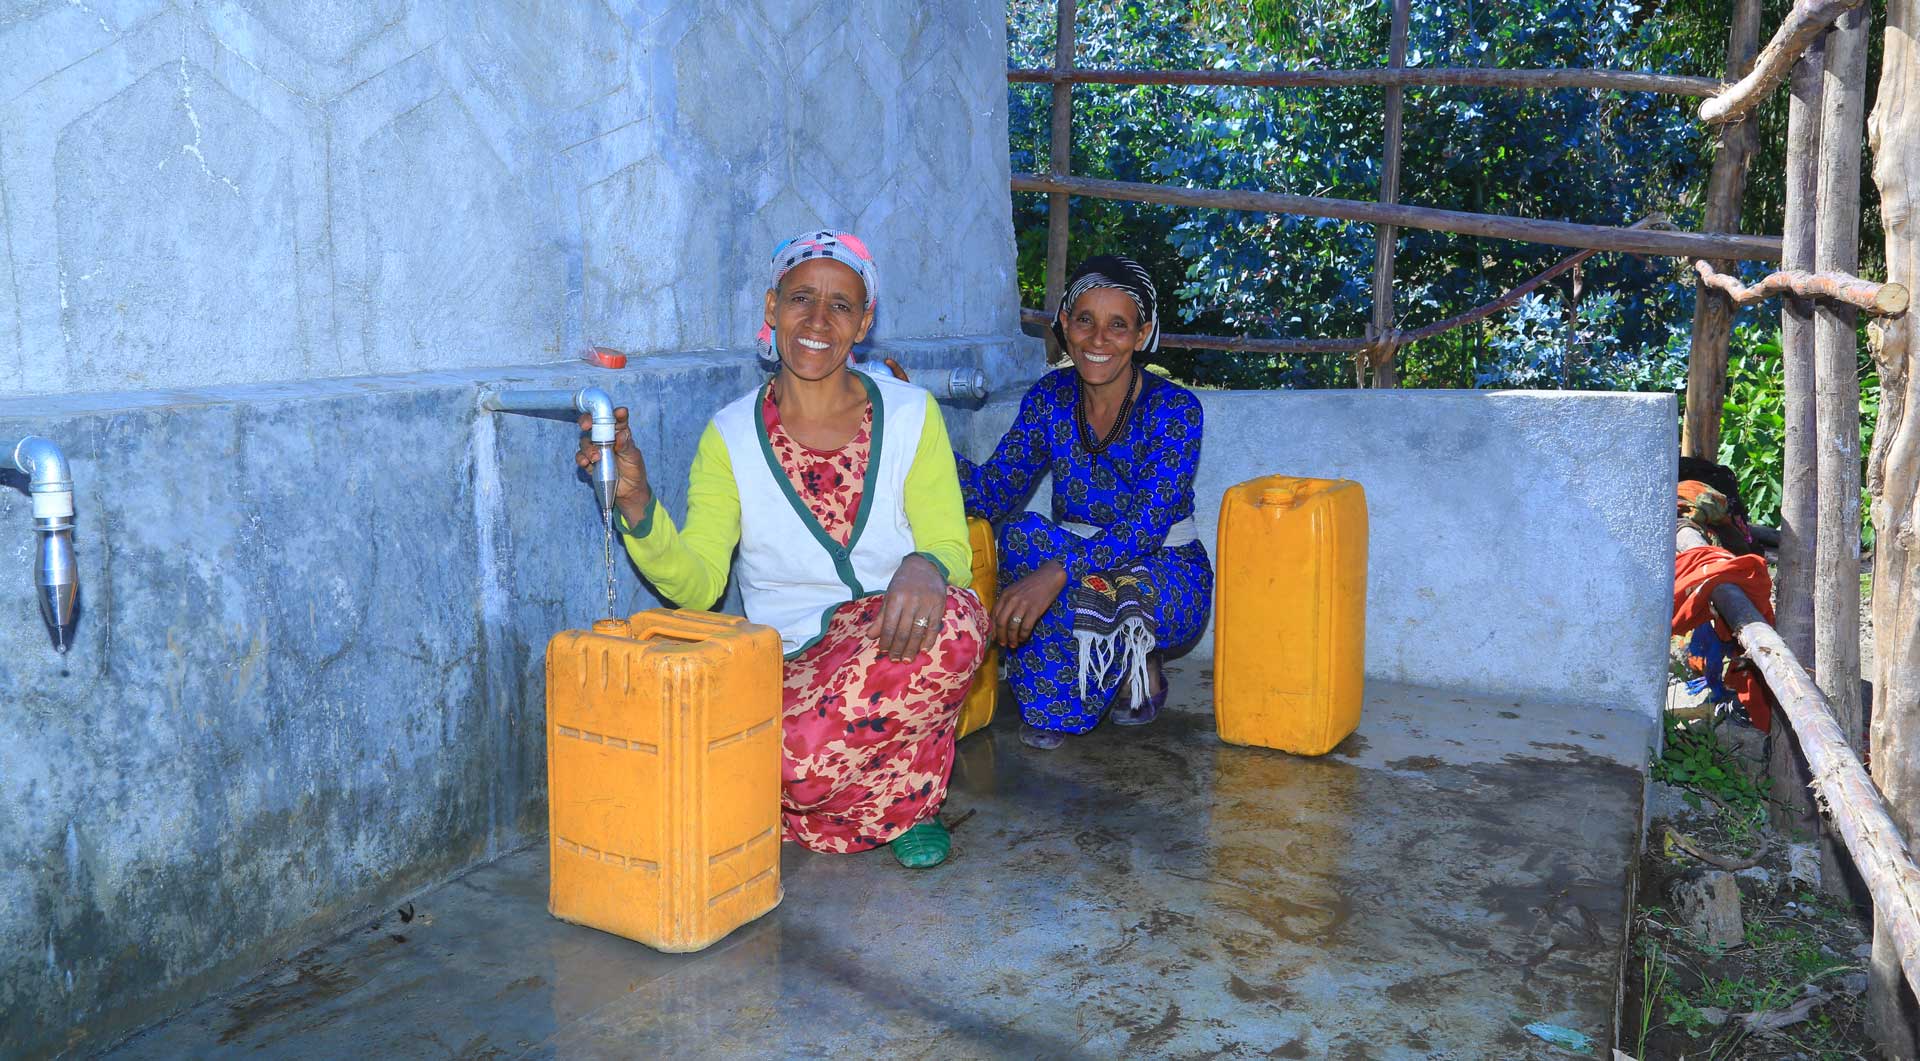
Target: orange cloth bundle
1695 574
1697 571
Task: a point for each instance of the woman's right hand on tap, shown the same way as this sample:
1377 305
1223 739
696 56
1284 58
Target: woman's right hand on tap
632 494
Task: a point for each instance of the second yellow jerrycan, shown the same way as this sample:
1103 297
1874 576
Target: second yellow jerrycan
663 776
977 710
1289 613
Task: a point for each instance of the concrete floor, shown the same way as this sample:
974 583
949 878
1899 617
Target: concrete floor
1456 870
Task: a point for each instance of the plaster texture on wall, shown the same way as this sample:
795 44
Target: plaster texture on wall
1521 543
241 191
307 674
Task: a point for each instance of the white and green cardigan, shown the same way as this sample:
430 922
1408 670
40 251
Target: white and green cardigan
791 573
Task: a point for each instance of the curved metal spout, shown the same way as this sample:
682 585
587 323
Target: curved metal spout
50 484
593 401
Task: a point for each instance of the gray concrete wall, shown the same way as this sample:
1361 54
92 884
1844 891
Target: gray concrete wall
307 674
209 194
1521 543
254 259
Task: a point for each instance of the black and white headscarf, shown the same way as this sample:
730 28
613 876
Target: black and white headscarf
1111 270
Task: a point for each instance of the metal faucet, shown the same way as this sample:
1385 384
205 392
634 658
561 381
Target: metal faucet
54 572
959 382
564 404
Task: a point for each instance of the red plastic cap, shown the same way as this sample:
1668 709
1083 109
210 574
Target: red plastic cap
605 357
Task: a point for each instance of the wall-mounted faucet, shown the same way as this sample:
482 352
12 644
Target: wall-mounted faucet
563 404
50 485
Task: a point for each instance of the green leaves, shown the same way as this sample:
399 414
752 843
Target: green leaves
1571 154
1753 424
1694 759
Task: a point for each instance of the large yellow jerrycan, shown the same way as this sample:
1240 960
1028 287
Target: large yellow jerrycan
977 710
663 776
1289 618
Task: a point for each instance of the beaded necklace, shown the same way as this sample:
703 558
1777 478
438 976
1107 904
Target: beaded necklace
1119 420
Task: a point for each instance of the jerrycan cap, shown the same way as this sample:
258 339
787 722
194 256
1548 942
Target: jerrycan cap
613 627
1279 497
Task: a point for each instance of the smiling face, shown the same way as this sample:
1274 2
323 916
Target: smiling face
817 313
1103 330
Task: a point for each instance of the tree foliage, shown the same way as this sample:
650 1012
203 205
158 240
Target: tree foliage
1597 157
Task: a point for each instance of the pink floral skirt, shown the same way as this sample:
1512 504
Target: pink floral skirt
869 742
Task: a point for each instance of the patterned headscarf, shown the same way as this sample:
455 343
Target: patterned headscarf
843 247
1111 270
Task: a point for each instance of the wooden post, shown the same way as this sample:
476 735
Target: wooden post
1570 356
1894 478
1060 163
1385 373
1793 593
1712 311
1836 595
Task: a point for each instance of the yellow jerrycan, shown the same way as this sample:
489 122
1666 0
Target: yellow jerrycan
977 709
1289 619
663 776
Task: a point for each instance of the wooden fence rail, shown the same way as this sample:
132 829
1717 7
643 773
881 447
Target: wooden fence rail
1859 813
1410 77
1878 299
1526 230
1803 25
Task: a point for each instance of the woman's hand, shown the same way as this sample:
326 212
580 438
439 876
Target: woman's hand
916 601
632 494
1021 604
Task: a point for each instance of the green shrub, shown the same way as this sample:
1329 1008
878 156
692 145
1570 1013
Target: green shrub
1753 425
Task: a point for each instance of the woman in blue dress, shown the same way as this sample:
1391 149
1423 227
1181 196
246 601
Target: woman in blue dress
1091 596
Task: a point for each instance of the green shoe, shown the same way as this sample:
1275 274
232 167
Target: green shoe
923 846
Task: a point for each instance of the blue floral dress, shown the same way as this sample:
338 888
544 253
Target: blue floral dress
1133 491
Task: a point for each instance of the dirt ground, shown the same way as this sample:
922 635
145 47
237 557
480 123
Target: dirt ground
1687 997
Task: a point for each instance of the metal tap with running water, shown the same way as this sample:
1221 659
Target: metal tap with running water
50 485
561 404
565 404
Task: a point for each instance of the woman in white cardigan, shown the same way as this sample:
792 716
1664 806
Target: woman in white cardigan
839 491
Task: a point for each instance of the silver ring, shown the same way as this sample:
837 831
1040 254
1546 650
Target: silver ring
1019 620
922 622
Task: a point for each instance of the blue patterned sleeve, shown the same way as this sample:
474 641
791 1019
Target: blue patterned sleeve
994 489
1169 463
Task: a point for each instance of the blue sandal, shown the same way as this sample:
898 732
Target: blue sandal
1149 709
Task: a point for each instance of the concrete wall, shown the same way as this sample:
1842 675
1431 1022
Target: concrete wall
1521 543
240 191
307 675
254 260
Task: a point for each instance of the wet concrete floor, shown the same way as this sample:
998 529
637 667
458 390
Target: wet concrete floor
1456 870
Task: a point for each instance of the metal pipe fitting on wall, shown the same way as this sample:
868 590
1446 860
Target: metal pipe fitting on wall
55 575
563 404
962 383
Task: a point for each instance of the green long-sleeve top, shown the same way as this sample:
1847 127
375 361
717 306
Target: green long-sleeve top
689 563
